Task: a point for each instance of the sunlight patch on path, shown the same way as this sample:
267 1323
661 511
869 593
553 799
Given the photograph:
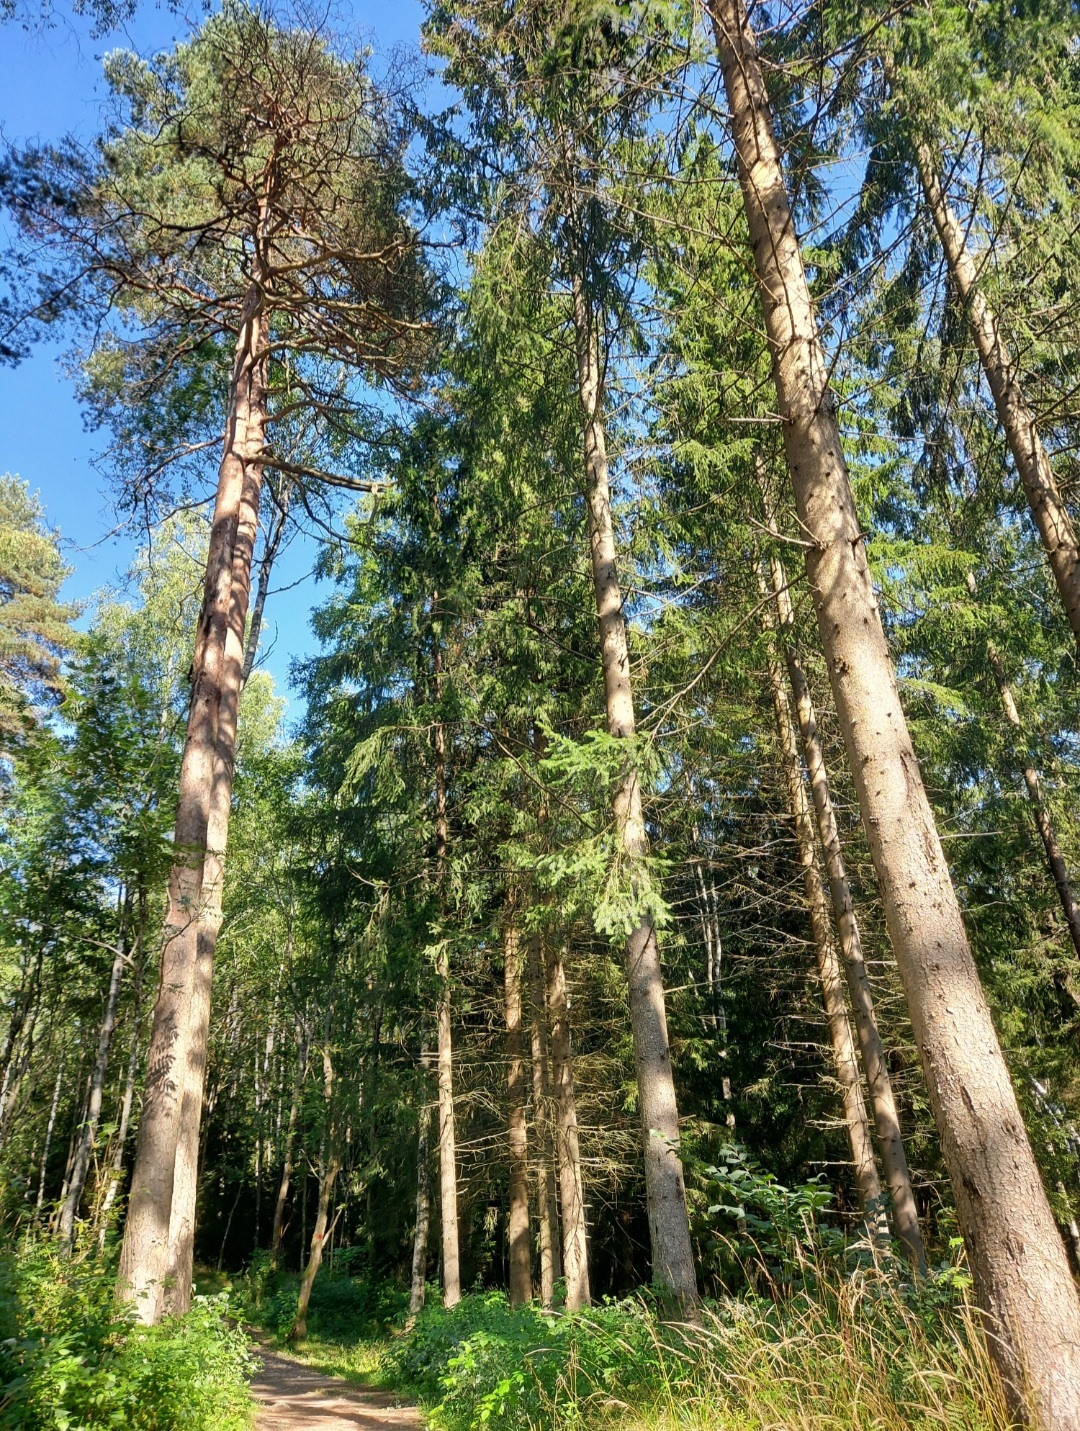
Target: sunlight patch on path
293 1397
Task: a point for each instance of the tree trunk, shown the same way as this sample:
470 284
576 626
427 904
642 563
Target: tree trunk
1059 871
49 1128
1018 1262
903 1212
319 1238
127 1100
423 1214
155 1261
520 1248
665 1192
575 1249
290 1139
448 1201
88 1133
329 1167
544 1161
185 1186
845 1059
1021 432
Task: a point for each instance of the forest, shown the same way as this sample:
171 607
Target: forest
638 983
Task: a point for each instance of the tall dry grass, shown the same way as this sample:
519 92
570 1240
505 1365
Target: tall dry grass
858 1354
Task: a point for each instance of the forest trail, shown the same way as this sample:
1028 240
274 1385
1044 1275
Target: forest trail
293 1397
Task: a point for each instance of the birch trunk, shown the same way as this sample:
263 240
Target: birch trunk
1018 1262
845 1060
665 1192
448 1192
575 1251
544 1162
329 1167
302 1046
422 1230
320 1235
88 1133
904 1214
1021 431
128 1098
1059 871
520 1249
155 1257
448 1200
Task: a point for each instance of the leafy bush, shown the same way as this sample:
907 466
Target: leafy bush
754 1227
70 1358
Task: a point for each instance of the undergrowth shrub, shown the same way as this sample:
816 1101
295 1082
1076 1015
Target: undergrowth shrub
70 1358
862 1353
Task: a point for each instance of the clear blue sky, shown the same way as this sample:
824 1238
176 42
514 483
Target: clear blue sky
51 86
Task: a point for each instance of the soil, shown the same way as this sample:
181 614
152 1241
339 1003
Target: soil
293 1397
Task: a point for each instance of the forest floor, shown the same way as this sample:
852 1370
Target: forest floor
295 1397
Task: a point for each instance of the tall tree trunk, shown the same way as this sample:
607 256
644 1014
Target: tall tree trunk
575 1250
88 1133
845 1059
1059 871
665 1192
128 1098
448 1198
155 1261
520 1248
422 1229
1017 1258
329 1167
903 1212
49 1128
302 1046
185 1184
1021 431
448 1201
544 1161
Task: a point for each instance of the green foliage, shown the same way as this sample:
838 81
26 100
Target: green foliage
69 1359
857 1354
755 1222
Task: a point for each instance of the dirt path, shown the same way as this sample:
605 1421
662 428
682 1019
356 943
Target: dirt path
292 1397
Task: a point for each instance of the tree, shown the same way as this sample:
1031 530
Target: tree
285 237
35 626
1020 1269
559 85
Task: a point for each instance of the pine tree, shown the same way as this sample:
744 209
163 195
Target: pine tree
35 626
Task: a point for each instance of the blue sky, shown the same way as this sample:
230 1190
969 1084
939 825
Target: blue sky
51 86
